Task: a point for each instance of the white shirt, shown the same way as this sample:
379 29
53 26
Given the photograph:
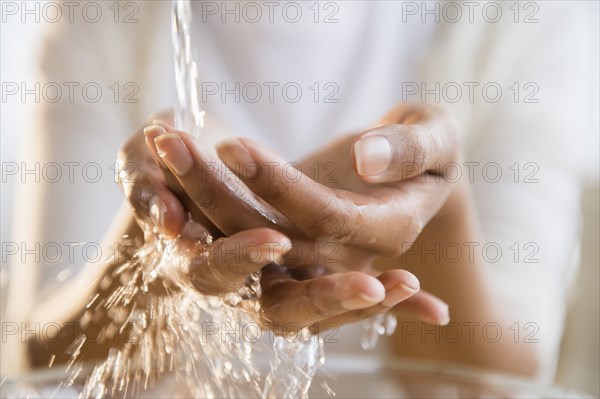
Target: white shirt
300 84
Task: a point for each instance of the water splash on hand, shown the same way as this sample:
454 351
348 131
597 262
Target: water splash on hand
164 327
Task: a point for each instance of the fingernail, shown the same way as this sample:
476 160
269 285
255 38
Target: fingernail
151 133
278 259
411 282
158 209
373 155
154 129
398 294
174 152
446 318
162 123
359 301
237 158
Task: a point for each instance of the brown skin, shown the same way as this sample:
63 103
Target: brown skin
423 140
208 185
309 295
69 309
462 283
348 211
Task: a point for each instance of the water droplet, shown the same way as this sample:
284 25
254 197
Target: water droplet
328 390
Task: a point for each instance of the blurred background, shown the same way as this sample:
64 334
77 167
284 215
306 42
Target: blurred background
579 365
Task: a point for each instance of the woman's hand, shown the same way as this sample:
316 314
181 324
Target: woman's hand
406 157
307 296
373 192
291 299
209 185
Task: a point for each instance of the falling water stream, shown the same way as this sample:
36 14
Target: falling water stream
189 117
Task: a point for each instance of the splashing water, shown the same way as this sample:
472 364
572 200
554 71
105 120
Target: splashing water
207 345
378 326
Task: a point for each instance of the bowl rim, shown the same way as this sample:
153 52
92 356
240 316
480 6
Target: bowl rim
361 365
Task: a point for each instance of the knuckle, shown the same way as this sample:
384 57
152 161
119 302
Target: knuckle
132 166
453 139
339 224
329 226
453 131
409 153
274 189
206 199
419 146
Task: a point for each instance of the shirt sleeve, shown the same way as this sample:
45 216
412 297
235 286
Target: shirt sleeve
527 141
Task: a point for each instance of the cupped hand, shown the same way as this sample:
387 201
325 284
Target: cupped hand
159 200
296 295
384 185
370 194
308 297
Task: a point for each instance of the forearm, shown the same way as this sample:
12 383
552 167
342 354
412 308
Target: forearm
459 277
66 310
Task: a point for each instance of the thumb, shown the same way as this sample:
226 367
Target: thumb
399 152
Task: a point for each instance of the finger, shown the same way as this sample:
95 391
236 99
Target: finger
151 133
227 205
228 262
316 210
153 203
163 118
166 123
380 220
399 286
166 213
291 304
416 140
146 191
425 307
212 187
